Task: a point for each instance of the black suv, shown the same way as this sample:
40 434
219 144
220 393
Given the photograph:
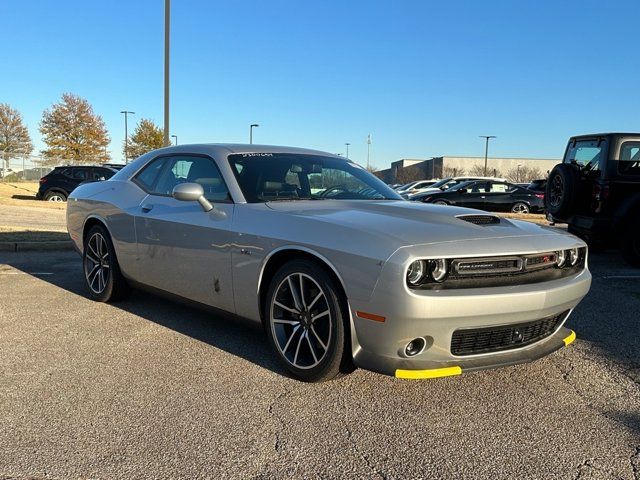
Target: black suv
59 183
596 191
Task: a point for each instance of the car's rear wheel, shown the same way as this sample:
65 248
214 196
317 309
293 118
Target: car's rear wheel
562 191
520 207
305 322
101 269
55 197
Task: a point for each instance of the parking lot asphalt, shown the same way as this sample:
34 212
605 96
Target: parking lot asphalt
148 388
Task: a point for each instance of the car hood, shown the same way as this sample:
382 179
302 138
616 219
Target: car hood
404 223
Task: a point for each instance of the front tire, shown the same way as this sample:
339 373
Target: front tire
55 197
439 202
304 321
100 266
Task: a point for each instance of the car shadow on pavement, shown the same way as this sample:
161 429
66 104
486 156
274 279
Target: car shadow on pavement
235 335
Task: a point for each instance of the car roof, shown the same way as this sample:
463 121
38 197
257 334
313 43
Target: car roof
609 134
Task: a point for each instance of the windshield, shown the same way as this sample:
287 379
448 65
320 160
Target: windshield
460 185
266 177
440 183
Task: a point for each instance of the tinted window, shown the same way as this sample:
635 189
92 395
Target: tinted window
149 174
501 187
587 154
192 169
287 176
99 173
79 173
629 161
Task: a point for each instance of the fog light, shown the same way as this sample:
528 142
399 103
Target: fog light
414 347
574 256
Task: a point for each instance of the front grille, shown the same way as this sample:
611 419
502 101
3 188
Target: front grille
496 339
480 219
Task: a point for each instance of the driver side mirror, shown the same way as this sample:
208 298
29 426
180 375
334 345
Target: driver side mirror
463 190
191 192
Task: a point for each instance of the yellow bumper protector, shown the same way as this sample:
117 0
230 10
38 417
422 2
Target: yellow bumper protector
431 373
569 339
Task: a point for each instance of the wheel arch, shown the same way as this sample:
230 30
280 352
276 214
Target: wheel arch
279 257
282 255
91 221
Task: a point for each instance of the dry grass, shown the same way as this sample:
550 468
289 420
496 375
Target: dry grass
529 217
20 234
24 193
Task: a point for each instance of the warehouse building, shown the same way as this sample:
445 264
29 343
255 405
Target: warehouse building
515 169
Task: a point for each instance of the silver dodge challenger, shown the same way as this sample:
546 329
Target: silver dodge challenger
337 267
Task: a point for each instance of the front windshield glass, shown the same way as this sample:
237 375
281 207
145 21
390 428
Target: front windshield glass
459 186
266 177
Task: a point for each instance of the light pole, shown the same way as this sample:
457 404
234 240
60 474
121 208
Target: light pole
486 150
251 132
167 23
176 138
368 148
126 135
518 173
347 144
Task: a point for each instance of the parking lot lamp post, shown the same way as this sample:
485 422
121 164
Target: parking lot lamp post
251 132
518 173
126 135
368 149
175 137
347 144
486 150
167 24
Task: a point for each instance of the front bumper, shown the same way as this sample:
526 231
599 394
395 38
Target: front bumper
401 315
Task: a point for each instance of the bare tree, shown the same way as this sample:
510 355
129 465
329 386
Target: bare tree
524 174
452 172
14 135
74 132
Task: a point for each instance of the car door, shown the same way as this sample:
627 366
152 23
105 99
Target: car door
499 197
181 248
474 195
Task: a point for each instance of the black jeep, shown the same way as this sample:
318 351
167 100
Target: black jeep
596 191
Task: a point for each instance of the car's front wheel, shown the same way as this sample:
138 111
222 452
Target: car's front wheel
101 269
520 207
304 321
439 202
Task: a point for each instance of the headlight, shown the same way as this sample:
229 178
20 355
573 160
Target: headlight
562 258
416 272
438 269
574 256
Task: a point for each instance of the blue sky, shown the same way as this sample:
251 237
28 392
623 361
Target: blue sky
425 78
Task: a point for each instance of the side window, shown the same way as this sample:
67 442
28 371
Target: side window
587 154
193 169
629 161
149 174
480 187
499 188
79 174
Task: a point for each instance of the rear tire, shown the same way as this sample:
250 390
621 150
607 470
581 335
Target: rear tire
55 197
520 207
304 321
100 267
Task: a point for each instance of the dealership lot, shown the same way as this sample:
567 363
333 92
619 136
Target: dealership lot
150 388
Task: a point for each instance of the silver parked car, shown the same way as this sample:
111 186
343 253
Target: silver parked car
337 268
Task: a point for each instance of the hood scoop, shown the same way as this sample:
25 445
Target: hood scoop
480 219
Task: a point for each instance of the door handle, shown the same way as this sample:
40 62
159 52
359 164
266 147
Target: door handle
483 196
147 208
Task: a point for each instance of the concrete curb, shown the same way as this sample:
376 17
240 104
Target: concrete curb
36 246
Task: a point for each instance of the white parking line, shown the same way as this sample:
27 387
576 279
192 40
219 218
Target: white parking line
26 273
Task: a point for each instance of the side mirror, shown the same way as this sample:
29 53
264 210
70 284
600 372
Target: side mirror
191 192
463 190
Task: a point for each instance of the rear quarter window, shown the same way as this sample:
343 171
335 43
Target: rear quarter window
629 161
